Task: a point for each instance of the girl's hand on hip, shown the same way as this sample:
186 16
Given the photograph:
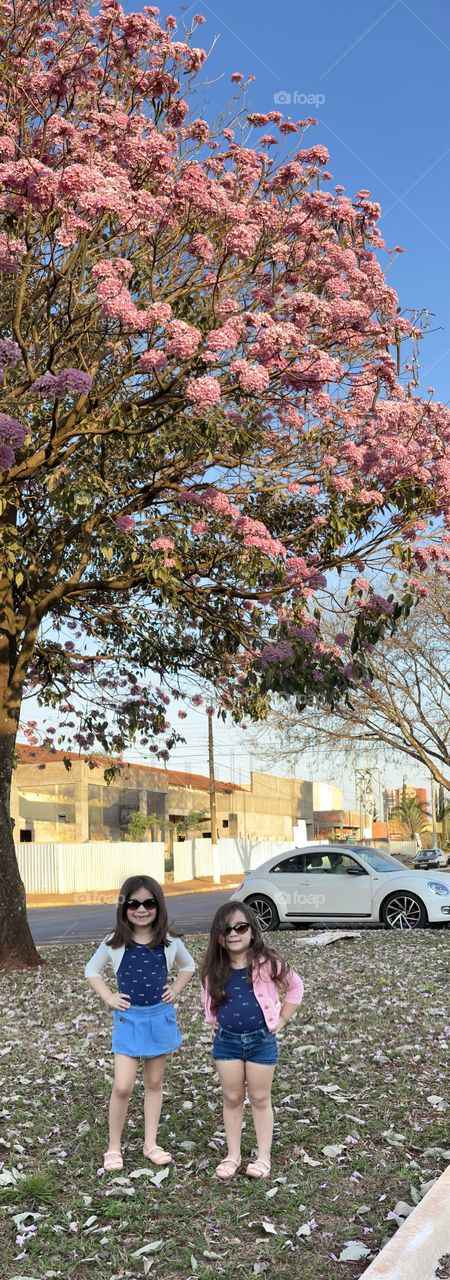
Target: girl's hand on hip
119 1001
167 994
281 1026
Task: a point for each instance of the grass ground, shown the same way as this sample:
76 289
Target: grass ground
363 1072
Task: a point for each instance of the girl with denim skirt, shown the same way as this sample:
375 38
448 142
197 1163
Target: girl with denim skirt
249 994
142 952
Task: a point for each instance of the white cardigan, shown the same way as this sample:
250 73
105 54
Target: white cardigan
176 952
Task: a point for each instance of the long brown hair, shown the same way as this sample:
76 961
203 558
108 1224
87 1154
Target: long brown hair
216 967
123 935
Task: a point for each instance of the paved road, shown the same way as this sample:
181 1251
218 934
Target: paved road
193 913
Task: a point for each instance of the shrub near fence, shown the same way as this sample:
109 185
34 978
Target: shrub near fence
84 868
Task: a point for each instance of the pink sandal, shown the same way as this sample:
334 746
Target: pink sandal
227 1169
112 1161
157 1155
258 1169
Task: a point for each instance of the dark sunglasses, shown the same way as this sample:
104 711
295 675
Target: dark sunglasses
236 928
133 904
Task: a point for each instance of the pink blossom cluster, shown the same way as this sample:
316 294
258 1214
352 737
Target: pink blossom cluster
377 604
12 436
115 299
202 247
217 502
203 393
279 654
315 369
242 240
198 130
162 544
125 524
255 534
182 339
252 379
227 336
314 155
308 634
153 359
56 386
11 253
112 277
10 354
69 229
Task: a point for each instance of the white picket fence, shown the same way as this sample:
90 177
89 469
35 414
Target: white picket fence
193 858
82 868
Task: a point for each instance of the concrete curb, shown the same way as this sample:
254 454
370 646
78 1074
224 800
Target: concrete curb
421 1241
108 898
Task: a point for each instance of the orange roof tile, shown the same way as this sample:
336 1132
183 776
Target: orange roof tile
27 754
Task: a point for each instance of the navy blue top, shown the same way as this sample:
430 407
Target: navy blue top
240 1012
142 973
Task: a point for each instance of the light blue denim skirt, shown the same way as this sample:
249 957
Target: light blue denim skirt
145 1031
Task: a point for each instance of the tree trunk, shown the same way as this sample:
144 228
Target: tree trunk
17 949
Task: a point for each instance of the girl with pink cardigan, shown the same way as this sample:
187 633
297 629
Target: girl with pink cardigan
249 994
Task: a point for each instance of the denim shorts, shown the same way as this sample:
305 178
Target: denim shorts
145 1031
252 1046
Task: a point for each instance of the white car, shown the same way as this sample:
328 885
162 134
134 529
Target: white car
338 884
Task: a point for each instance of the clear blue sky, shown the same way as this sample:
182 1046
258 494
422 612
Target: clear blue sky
384 72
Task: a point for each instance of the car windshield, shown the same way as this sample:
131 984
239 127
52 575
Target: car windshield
379 860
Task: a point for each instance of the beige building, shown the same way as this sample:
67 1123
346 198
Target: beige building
269 808
326 796
51 803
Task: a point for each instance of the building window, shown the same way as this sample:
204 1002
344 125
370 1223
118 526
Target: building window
224 822
125 812
62 817
26 836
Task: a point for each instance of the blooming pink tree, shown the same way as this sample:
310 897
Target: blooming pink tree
202 413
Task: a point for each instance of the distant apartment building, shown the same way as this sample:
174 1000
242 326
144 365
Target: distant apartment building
393 797
52 803
331 820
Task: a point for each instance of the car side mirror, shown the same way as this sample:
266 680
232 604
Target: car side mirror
356 871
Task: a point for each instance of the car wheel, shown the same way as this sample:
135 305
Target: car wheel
403 910
265 911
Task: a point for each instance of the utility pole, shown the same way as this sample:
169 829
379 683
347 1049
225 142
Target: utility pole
433 812
212 804
367 779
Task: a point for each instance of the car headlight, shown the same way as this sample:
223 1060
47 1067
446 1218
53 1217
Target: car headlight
437 887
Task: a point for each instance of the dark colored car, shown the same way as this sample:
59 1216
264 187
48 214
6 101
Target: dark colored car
431 858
